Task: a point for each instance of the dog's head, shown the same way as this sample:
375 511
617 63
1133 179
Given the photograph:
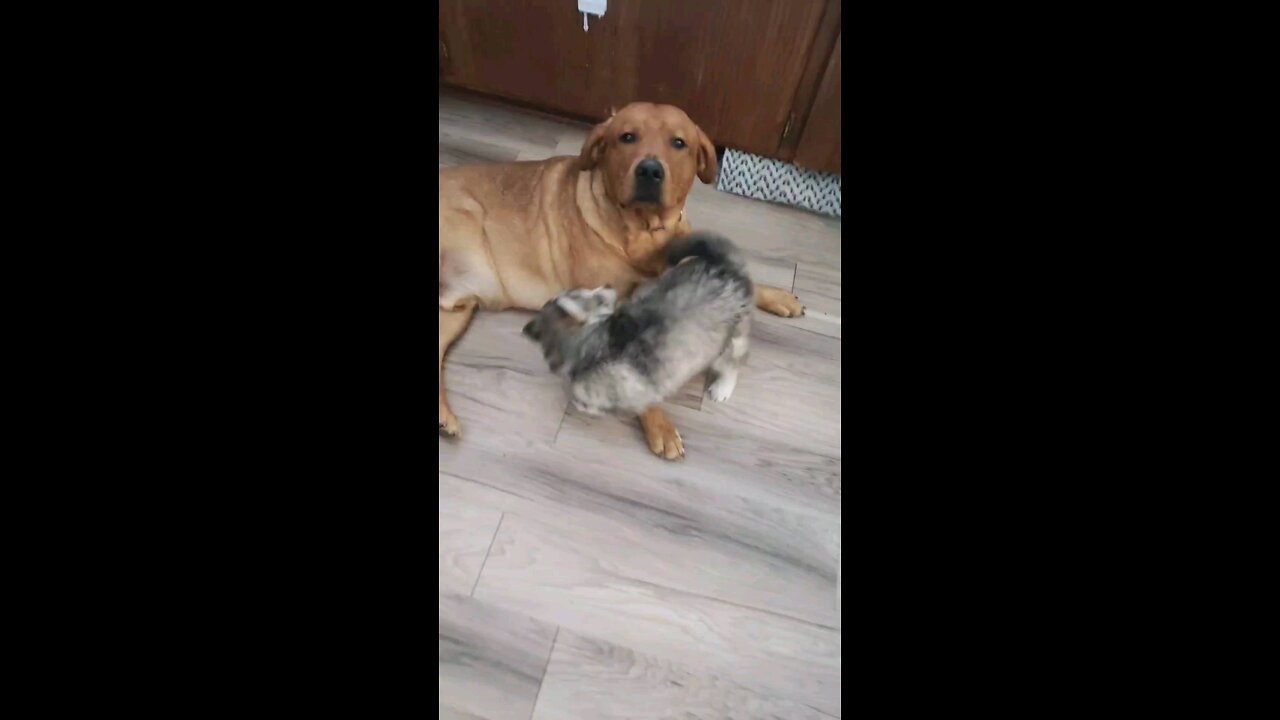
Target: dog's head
566 314
649 155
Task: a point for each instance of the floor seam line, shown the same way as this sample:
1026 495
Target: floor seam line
798 327
543 681
563 415
484 562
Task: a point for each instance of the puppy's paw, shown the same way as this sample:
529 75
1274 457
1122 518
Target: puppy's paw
586 409
722 388
449 423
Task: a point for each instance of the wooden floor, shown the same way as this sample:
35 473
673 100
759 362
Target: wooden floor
583 577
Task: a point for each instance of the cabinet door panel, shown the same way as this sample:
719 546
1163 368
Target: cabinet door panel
533 51
733 65
819 147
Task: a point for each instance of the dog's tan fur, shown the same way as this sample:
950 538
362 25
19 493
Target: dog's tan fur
514 235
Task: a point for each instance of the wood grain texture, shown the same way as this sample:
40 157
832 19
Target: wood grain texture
787 390
469 118
587 582
466 532
782 511
703 588
465 151
733 65
589 679
819 287
499 385
769 232
795 579
491 661
529 50
819 146
745 469
815 68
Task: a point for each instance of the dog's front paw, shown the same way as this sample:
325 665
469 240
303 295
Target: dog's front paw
779 302
667 443
663 438
722 388
787 306
449 423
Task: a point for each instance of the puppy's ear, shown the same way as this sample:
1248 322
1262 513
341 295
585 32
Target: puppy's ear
622 329
572 308
593 148
607 295
533 329
708 166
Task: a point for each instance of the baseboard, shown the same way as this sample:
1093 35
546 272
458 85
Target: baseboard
753 176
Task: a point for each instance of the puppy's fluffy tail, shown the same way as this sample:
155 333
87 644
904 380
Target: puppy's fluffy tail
715 249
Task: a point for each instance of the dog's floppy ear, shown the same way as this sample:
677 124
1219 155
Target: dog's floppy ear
572 308
594 146
708 166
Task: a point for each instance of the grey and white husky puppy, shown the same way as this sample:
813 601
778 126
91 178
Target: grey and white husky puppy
628 356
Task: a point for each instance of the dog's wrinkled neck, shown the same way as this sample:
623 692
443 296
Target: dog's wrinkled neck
655 219
646 229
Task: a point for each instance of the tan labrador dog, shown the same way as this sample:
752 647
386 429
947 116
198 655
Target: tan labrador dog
514 235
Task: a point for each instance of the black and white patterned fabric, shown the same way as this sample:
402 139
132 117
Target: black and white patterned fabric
752 176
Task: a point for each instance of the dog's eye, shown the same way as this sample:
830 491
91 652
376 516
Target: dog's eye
627 138
678 144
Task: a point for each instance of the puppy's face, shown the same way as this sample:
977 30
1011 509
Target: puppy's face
650 155
565 315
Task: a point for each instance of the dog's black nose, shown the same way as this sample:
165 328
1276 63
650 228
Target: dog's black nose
649 170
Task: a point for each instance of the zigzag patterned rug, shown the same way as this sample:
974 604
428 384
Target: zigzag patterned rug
742 173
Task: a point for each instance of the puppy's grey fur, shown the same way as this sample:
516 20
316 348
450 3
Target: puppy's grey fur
626 357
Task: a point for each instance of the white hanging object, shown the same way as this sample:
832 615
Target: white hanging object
591 7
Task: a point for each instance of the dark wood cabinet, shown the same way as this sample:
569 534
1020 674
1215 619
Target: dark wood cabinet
819 147
528 50
737 67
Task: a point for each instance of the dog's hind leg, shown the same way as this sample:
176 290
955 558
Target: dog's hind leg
452 324
724 369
